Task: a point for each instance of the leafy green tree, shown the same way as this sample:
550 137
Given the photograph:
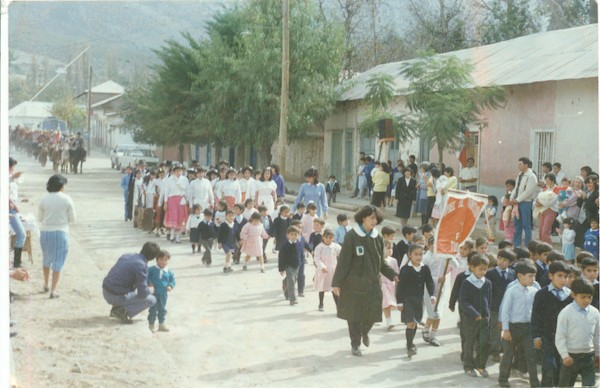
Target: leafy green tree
381 92
163 111
442 100
242 73
226 90
507 19
66 109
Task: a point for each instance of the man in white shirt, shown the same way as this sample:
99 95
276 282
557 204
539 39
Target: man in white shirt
469 175
560 175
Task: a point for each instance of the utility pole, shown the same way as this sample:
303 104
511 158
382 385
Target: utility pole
89 113
285 84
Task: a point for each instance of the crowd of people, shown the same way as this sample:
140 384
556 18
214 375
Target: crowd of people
526 299
66 153
560 204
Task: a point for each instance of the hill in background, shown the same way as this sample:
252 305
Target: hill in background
120 34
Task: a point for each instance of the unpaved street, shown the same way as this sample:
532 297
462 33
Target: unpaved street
226 330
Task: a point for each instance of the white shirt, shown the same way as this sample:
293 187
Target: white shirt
150 190
200 193
474 280
577 330
248 186
13 190
230 188
469 173
175 186
435 263
217 187
559 177
193 221
568 236
138 192
418 269
55 212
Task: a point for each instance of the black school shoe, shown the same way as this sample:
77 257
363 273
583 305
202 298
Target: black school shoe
356 352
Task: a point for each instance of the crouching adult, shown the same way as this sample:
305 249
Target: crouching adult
126 286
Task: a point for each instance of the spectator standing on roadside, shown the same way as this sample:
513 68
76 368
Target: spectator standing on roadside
13 210
55 211
125 187
279 181
358 171
522 197
412 165
468 176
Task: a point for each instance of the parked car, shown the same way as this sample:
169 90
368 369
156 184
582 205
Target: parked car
131 157
117 152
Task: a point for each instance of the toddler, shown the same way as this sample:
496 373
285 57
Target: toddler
568 239
161 281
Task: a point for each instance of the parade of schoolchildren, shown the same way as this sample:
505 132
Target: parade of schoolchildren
523 282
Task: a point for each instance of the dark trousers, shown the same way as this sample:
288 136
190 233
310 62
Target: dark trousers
521 336
430 203
551 362
160 309
301 278
461 318
289 283
519 359
207 245
237 253
265 242
583 364
476 331
358 330
495 334
331 198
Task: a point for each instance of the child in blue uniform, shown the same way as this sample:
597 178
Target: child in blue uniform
413 279
162 279
590 243
207 235
226 239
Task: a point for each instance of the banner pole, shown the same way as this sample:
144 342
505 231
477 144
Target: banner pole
439 293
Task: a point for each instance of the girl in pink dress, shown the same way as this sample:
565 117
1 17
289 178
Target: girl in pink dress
308 219
388 287
325 256
252 236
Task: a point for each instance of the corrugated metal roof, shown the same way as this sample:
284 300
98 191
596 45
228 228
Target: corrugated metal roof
546 56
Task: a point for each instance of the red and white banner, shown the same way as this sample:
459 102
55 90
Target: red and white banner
461 211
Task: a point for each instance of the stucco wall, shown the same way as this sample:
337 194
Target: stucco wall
569 108
577 124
